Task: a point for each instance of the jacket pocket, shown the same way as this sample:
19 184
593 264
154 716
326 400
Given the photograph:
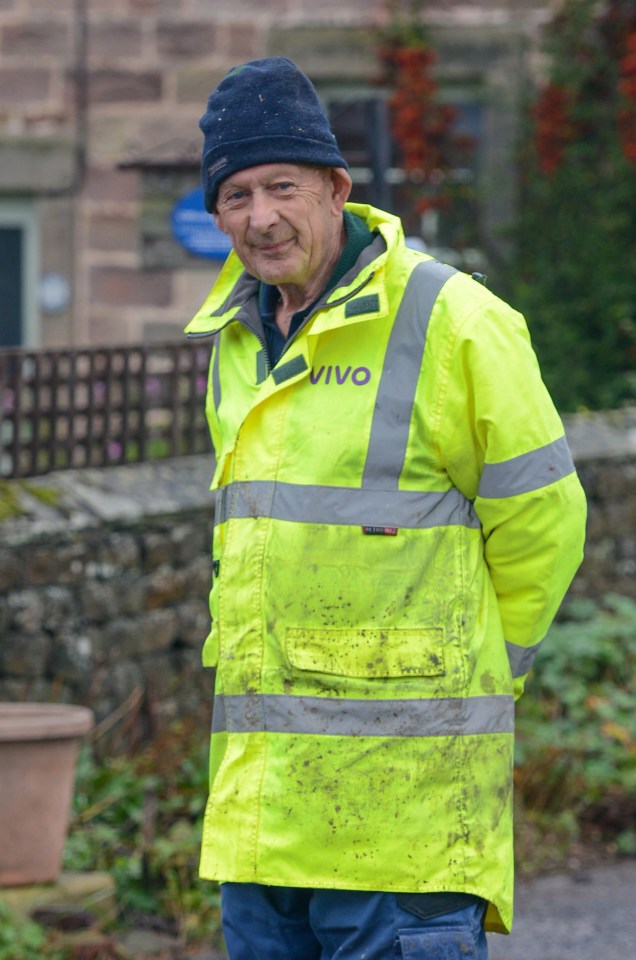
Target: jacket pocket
368 653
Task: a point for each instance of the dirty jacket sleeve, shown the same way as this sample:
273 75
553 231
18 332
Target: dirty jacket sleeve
503 445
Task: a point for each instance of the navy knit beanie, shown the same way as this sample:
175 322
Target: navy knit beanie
265 111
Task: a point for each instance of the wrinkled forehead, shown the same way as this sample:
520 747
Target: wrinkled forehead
265 173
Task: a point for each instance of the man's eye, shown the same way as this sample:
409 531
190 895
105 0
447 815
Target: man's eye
283 186
237 196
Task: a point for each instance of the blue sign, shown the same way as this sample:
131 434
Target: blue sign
194 228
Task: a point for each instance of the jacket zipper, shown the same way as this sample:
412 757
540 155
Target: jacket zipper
319 306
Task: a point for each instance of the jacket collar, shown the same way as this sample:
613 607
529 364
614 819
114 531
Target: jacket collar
235 288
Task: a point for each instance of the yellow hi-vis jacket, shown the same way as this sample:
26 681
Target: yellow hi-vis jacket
397 520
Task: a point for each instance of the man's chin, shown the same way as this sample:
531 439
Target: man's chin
275 274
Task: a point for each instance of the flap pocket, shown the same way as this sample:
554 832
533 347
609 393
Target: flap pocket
437 944
345 652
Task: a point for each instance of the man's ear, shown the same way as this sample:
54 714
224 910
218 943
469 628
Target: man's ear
340 188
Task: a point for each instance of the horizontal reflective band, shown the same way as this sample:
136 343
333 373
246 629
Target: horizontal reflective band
530 471
349 506
339 717
521 658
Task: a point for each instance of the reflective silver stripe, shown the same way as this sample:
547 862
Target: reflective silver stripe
530 471
220 499
400 374
310 503
340 717
216 379
521 658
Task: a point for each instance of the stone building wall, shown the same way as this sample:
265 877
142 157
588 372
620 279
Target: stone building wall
104 576
87 86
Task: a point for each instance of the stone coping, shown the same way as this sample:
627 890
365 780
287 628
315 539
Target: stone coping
602 436
80 499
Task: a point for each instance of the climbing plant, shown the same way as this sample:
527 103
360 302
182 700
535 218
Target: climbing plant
574 274
422 122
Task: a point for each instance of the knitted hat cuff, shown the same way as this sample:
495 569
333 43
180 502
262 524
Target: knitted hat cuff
219 164
265 111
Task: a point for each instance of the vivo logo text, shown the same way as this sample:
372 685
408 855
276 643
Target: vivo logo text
337 374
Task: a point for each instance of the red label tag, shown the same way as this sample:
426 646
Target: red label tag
380 531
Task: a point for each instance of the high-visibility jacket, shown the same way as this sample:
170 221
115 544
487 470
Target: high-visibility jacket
397 520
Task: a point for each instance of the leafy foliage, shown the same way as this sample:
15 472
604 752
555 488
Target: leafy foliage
430 149
22 939
576 730
575 275
140 818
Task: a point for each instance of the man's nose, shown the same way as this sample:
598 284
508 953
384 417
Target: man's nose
263 213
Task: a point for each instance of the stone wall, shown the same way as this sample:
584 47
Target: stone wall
103 591
604 448
104 576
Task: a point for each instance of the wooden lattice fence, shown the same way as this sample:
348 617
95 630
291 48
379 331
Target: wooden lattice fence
97 407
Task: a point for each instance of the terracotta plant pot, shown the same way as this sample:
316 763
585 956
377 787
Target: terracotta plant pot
38 753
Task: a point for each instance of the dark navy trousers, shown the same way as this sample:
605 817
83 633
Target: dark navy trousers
292 923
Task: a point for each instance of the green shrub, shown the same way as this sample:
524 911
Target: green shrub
22 939
574 275
576 726
140 818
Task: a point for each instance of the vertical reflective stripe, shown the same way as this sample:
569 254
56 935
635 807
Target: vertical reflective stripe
220 505
216 378
400 375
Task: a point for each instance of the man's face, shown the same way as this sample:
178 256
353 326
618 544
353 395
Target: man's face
284 220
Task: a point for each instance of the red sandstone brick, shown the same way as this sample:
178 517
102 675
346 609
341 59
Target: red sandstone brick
113 233
195 84
151 6
244 41
107 184
113 86
37 38
121 287
60 7
119 38
177 39
24 84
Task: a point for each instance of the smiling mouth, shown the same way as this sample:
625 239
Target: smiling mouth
272 249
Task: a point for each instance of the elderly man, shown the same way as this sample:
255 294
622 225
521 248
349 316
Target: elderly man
397 520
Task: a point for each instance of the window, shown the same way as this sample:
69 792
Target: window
361 123
18 275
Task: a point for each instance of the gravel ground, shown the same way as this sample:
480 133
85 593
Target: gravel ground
588 915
